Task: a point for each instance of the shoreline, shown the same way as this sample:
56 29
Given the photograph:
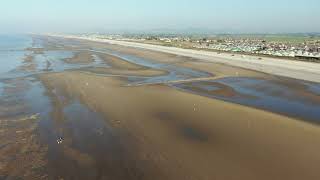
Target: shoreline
301 70
77 117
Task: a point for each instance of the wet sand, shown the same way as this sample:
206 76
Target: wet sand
22 155
179 132
122 68
81 57
287 68
101 111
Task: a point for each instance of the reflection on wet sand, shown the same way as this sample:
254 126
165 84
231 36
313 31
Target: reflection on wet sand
81 141
289 97
190 133
83 110
21 152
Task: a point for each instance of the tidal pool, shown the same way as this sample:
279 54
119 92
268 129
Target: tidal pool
299 102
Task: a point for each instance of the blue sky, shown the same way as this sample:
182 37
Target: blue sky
219 15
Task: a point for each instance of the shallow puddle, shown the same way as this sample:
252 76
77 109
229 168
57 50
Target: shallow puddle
174 72
1 89
303 102
194 134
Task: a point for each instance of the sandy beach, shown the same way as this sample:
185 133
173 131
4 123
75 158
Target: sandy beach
125 111
288 68
179 132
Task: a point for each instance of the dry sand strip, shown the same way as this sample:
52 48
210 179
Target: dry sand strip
288 68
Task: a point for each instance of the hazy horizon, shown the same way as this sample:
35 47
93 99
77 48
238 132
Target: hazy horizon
79 16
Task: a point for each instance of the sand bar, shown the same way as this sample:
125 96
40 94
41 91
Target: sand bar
294 69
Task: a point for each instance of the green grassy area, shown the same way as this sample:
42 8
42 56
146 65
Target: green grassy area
277 38
289 38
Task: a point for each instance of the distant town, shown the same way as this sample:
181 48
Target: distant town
304 47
